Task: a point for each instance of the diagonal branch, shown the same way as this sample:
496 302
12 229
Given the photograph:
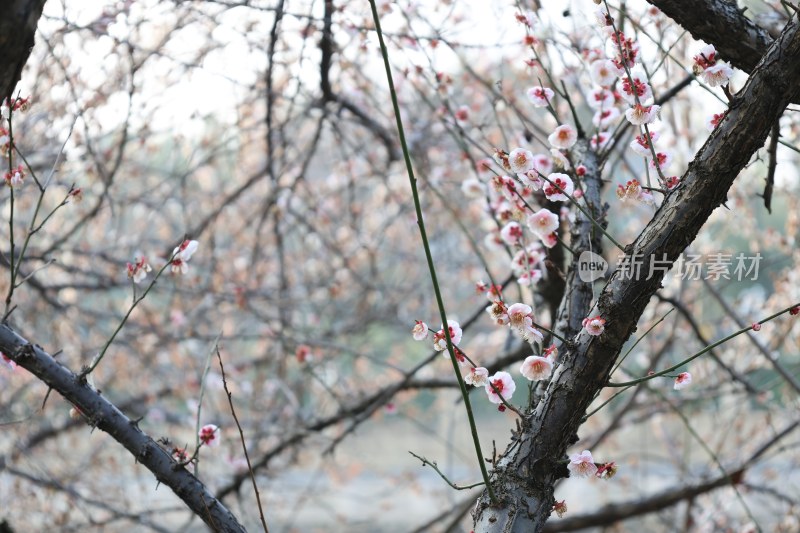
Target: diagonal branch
535 458
104 415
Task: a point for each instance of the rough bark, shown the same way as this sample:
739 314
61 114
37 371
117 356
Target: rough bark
736 38
17 29
102 414
535 459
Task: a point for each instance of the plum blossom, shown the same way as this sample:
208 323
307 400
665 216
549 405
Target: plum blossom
499 313
604 72
636 89
607 470
559 159
549 240
511 233
440 340
632 190
209 435
639 115
641 144
520 318
713 121
15 176
501 158
599 140
420 331
520 160
663 159
477 377
683 380
473 188
713 71
540 96
527 259
5 142
594 326
536 368
462 114
600 98
181 256
543 222
582 464
559 187
563 137
718 75
520 315
530 278
138 270
604 118
560 508
501 383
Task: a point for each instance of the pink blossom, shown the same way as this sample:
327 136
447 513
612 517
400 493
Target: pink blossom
582 464
599 140
499 313
563 137
511 233
520 160
439 339
600 98
641 144
138 270
543 222
530 278
209 435
419 331
636 89
604 118
181 256
594 326
551 352
559 159
663 158
542 164
683 380
718 75
536 368
559 187
519 315
604 72
756 326
15 176
713 121
639 115
473 188
477 377
501 383
540 96
549 240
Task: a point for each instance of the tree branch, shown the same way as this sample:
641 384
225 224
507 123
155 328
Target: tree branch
104 415
535 459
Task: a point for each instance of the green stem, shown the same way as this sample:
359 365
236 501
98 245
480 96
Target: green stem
421 224
698 354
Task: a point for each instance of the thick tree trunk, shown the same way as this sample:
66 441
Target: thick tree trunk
18 20
536 458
